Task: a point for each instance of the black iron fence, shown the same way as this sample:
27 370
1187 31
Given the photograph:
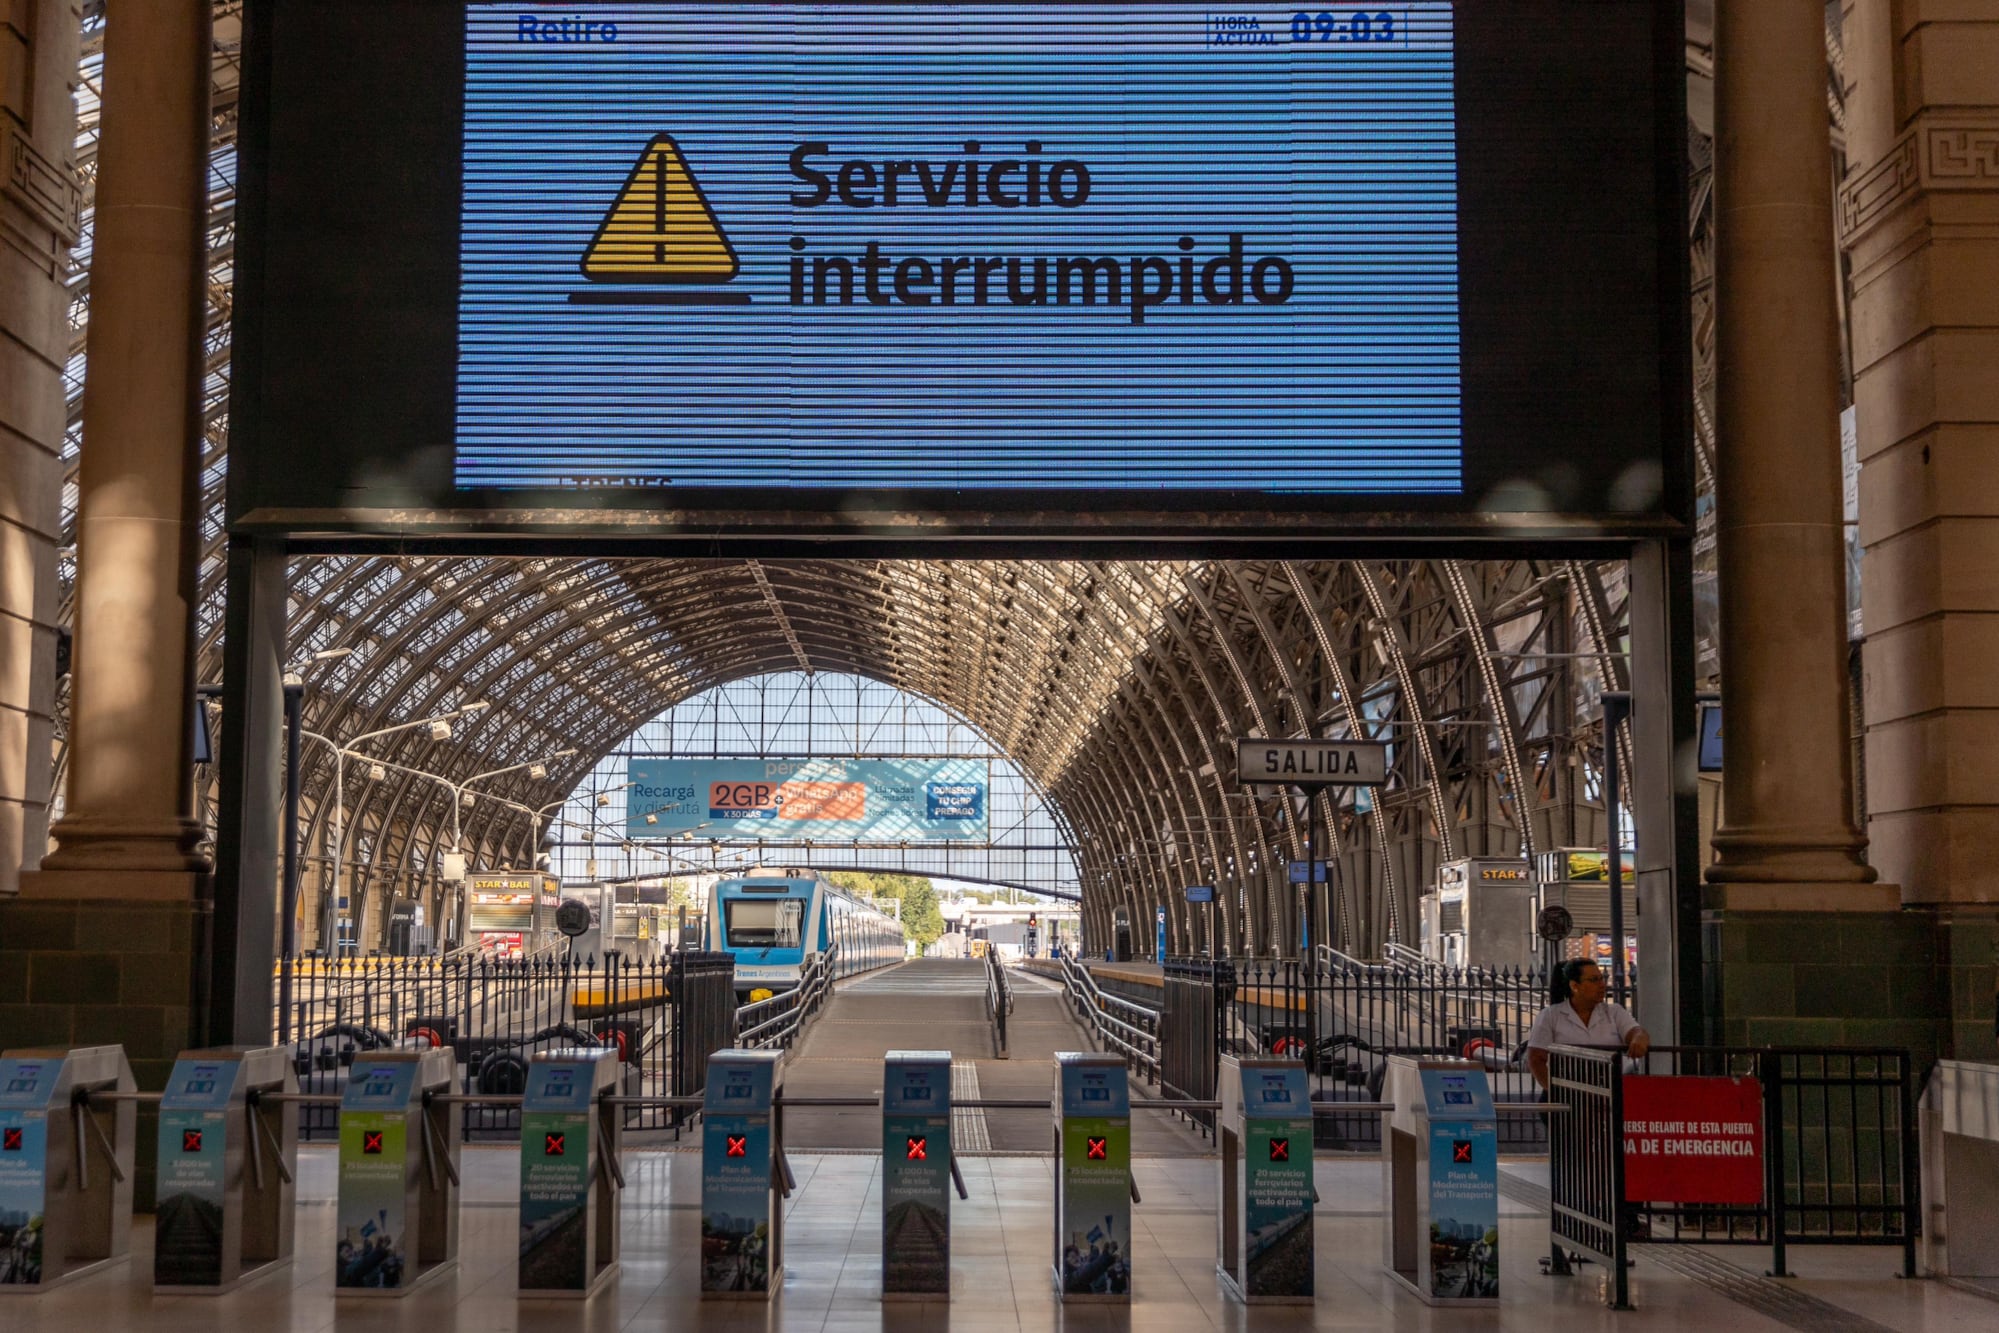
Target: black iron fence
1343 1018
663 1015
701 985
1838 1148
1197 994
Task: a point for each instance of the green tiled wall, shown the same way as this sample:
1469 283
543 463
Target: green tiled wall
1923 979
93 972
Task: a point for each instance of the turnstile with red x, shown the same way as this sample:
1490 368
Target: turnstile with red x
742 1174
571 1183
1267 1194
397 1224
1093 1190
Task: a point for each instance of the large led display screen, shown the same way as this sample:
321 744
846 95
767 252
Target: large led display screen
711 269
1107 246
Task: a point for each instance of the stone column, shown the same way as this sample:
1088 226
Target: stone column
130 804
40 208
106 942
1919 215
1788 840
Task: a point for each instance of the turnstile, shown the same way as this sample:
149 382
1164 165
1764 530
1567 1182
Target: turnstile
227 1167
1959 1126
397 1224
1267 1193
742 1173
1093 1192
918 1171
1441 1160
65 1165
571 1184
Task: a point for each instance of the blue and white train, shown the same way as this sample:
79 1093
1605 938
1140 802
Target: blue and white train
773 920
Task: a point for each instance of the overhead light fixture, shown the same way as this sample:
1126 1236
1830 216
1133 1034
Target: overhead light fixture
465 799
652 819
476 706
603 798
537 770
376 772
440 730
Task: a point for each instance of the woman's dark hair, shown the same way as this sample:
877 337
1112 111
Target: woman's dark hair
1565 978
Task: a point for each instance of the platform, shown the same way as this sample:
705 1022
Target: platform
832 1279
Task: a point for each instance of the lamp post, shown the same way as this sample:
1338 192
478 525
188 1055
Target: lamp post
340 755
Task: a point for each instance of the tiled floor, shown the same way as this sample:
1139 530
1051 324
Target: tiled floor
1000 1268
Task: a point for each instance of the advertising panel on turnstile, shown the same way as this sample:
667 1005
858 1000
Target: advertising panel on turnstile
372 1230
555 1175
736 1152
25 1086
1093 1231
192 1182
1277 1183
1464 1184
916 1173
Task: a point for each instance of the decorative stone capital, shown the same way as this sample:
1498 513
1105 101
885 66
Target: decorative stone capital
1941 151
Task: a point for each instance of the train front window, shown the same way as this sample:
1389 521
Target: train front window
771 923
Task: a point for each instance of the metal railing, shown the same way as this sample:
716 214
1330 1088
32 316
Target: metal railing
1838 1144
1125 1026
776 1022
999 1002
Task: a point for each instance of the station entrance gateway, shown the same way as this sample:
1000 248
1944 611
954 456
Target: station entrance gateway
680 386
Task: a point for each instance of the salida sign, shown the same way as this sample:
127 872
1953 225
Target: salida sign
1693 1140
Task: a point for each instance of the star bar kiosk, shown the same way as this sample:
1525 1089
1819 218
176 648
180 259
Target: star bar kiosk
1441 1158
1093 1191
397 1224
65 1165
1266 1181
742 1175
571 1184
227 1166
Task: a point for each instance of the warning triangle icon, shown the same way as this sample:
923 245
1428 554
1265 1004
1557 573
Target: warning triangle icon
660 228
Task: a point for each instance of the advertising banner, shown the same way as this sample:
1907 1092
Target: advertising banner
735 1203
1277 1207
1693 1140
555 1199
1464 1210
24 1137
1095 1227
865 800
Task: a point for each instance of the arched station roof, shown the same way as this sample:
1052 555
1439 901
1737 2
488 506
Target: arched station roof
1118 685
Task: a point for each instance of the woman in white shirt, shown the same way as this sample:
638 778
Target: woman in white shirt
1580 1016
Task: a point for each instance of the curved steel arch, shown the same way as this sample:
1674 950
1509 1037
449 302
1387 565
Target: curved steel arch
1073 667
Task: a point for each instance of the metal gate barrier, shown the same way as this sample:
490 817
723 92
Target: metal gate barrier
1838 1150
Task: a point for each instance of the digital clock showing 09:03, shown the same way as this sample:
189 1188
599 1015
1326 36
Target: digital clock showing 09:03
1350 25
